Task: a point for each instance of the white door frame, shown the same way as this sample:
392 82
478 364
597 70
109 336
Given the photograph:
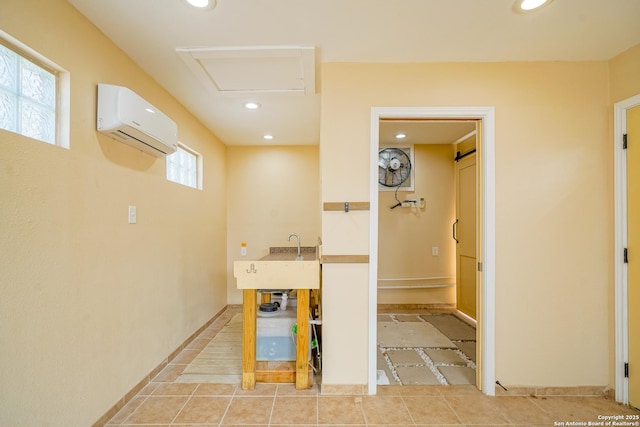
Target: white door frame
620 242
487 167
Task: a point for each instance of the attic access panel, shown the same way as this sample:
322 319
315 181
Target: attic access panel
257 69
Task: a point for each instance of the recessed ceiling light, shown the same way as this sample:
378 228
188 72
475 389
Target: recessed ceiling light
202 4
252 105
401 135
524 6
268 136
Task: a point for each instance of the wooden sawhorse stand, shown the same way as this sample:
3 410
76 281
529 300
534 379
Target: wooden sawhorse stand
285 372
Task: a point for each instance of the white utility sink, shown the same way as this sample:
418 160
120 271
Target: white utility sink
277 274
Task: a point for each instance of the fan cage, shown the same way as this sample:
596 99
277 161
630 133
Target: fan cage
408 185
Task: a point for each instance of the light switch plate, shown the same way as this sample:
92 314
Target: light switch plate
133 215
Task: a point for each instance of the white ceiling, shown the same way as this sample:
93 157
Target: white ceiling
151 31
424 131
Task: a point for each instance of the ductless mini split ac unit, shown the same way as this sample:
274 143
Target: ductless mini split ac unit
128 118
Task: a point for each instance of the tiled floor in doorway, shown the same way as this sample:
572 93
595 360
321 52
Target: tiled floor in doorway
425 348
165 402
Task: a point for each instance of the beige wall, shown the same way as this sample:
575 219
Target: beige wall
406 235
271 192
552 205
90 304
344 327
624 70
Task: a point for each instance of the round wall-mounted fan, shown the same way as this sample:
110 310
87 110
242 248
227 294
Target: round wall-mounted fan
394 167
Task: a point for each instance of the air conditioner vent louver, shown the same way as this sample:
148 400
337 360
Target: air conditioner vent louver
123 136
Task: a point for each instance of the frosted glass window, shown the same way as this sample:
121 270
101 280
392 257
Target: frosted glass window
27 97
183 167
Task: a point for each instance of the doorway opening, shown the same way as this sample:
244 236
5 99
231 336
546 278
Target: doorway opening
483 118
427 252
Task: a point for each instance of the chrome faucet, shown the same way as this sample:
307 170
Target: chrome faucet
299 257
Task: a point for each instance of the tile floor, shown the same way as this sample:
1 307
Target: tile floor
414 361
165 402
